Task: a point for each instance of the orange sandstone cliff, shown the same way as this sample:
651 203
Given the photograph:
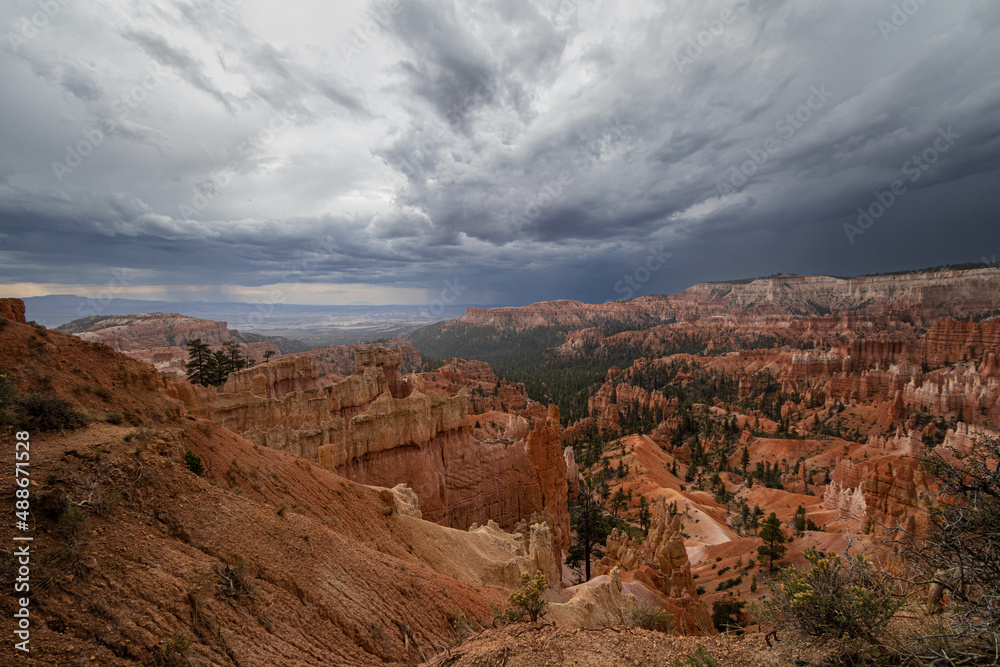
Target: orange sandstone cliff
378 428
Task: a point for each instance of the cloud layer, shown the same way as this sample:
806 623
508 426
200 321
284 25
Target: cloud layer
529 150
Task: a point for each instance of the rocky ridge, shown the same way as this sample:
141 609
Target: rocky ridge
330 570
159 338
378 428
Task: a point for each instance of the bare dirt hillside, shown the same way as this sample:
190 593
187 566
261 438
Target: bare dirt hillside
131 548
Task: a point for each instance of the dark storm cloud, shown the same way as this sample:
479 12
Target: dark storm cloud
528 149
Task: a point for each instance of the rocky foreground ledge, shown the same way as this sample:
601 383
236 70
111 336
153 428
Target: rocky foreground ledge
531 645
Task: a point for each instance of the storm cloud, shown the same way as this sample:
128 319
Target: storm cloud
528 150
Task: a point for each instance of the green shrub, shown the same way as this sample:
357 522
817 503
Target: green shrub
700 658
834 597
173 652
48 413
726 615
729 583
45 413
193 462
141 434
653 618
527 600
107 501
73 521
113 418
462 625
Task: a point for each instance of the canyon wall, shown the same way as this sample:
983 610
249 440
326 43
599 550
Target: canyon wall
661 561
378 428
159 338
485 391
339 360
914 299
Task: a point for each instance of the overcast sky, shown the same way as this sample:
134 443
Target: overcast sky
499 151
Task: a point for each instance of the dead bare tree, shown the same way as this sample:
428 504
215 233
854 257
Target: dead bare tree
958 557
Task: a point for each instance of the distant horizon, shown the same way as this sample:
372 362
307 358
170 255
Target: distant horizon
112 298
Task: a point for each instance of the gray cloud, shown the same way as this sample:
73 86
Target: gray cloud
184 64
533 149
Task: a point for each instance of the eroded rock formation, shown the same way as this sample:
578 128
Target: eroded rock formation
544 447
663 550
378 428
660 563
159 338
599 603
572 474
339 360
12 309
485 391
883 492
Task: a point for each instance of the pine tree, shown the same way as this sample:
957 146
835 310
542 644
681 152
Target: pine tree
588 528
236 358
220 367
755 518
800 519
774 541
618 502
199 362
745 460
644 514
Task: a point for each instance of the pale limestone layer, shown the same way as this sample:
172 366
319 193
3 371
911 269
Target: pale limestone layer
274 379
926 296
600 603
485 555
663 550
